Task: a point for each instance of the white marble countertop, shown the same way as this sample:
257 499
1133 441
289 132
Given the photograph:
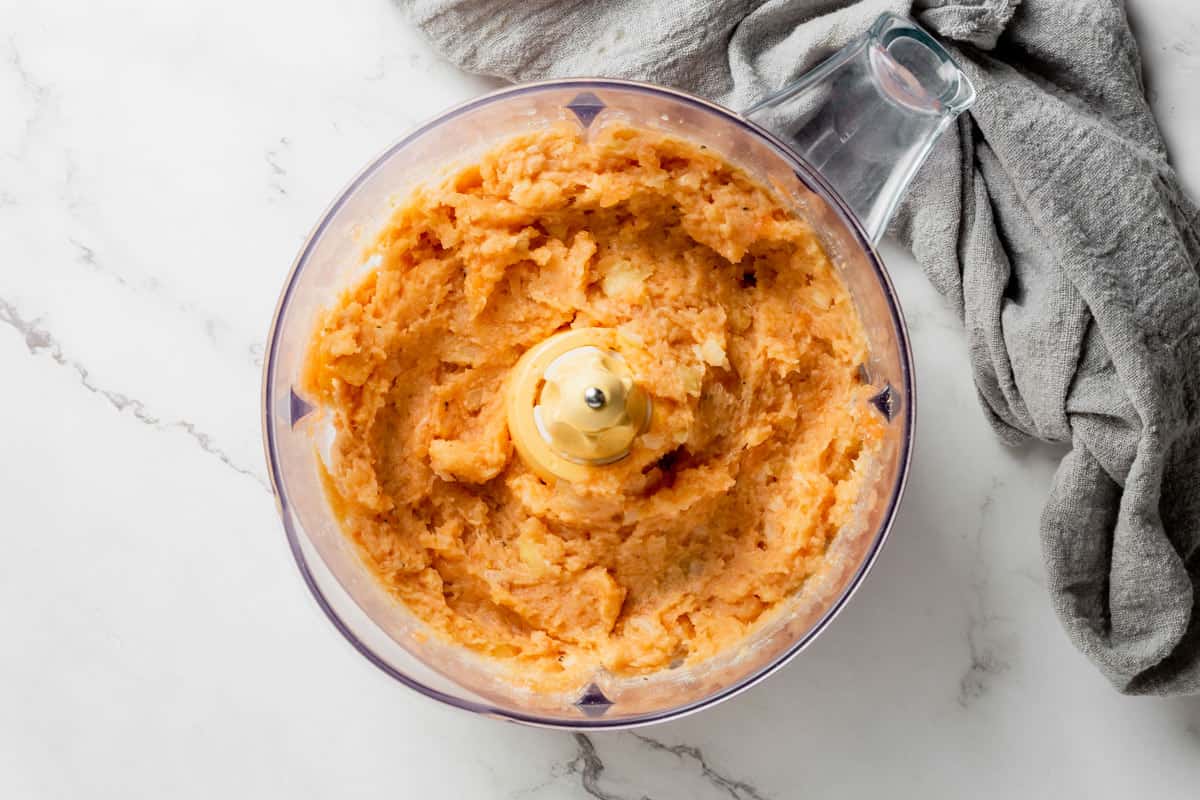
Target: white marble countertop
160 164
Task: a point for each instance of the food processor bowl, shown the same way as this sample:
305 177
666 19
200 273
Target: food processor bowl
378 625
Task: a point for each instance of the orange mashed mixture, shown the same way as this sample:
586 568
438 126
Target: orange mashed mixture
739 330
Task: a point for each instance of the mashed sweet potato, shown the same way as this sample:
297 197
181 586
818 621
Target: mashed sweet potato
737 326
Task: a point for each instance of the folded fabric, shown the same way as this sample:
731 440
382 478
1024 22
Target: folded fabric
1050 217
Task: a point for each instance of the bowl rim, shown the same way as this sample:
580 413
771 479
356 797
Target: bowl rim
807 175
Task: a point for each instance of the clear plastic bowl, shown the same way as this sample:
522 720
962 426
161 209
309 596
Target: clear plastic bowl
380 627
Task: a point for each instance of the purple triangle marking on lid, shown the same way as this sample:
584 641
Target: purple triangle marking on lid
887 402
593 702
586 106
298 407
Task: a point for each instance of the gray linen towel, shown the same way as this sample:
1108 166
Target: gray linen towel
1050 217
